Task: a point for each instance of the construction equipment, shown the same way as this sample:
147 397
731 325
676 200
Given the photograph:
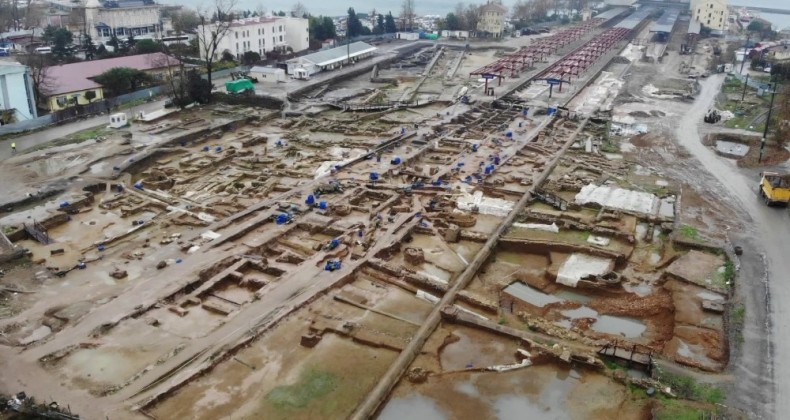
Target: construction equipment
712 116
774 188
242 75
237 87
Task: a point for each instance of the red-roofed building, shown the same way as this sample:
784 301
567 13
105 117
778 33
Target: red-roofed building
66 85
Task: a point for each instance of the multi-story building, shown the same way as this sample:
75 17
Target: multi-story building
261 35
492 19
710 13
17 102
124 18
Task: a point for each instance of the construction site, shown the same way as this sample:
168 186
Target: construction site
459 232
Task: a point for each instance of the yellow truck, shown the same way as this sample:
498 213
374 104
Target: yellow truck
775 188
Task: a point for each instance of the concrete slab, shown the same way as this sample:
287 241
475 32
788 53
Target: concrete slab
732 148
578 266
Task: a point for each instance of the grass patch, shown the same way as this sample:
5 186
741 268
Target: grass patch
688 388
726 276
612 365
689 232
739 314
312 385
76 138
679 410
502 321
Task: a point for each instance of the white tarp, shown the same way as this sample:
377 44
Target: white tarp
578 266
538 226
618 198
485 205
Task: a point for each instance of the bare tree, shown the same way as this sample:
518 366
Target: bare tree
407 14
210 34
299 10
260 9
185 20
42 83
472 17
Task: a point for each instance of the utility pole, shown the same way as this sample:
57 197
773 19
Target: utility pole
743 94
745 49
767 123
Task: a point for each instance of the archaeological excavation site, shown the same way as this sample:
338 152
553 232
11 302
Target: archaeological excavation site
449 231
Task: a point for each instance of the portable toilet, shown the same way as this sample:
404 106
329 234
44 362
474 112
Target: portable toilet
118 120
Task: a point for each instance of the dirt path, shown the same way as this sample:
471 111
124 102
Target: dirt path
763 363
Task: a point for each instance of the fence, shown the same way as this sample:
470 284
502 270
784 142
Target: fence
80 111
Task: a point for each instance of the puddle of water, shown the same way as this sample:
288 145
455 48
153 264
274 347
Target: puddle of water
655 258
635 373
628 327
468 388
415 407
551 404
473 351
37 334
565 323
530 295
641 289
710 296
694 352
583 312
573 296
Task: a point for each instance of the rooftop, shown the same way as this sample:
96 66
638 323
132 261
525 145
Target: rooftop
252 21
267 70
334 55
76 76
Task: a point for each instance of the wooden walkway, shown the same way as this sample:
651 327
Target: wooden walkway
631 354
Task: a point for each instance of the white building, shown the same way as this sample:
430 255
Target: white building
268 74
329 59
260 34
297 33
138 18
492 18
17 101
710 13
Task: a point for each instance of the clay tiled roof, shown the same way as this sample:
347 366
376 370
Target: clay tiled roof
76 77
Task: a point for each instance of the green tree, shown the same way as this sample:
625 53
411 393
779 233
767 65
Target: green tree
353 25
147 46
121 80
250 57
199 89
90 95
389 24
322 28
379 29
281 13
186 20
227 56
61 41
451 22
755 26
87 45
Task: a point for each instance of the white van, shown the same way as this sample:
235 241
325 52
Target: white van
44 50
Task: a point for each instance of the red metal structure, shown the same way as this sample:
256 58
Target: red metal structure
512 64
584 57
